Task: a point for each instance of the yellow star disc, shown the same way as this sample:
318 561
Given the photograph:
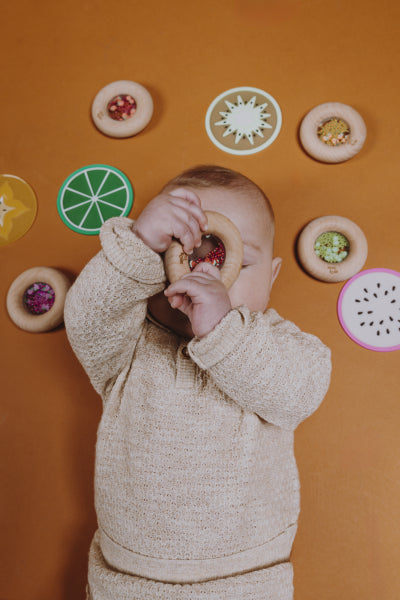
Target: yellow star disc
18 208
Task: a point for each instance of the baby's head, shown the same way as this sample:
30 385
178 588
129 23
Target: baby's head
245 204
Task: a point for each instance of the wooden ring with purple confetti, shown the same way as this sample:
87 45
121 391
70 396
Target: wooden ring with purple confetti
176 261
122 109
35 300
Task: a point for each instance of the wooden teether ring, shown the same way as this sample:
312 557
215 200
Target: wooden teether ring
176 261
131 124
325 137
20 315
332 271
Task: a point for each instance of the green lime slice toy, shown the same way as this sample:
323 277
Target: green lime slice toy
93 194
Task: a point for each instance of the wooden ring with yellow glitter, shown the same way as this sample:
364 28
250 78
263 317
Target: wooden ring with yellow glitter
122 109
332 132
35 300
332 248
176 261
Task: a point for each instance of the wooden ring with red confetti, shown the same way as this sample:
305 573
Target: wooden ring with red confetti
332 132
35 300
176 261
122 109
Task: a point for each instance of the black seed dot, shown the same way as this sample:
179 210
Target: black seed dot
366 299
365 290
392 301
378 332
386 292
387 330
360 312
393 288
371 323
378 285
358 300
370 312
380 322
363 323
391 318
375 295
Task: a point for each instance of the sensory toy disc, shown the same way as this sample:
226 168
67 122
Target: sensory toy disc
369 309
93 194
177 261
332 248
35 300
332 132
122 109
18 208
243 120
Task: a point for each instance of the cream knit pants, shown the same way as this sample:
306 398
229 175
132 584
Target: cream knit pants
105 583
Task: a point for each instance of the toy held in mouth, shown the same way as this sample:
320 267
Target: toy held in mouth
221 246
332 248
332 132
35 300
122 109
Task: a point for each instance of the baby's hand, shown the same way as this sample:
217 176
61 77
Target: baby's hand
201 296
175 214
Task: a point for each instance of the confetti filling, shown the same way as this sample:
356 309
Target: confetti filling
122 107
38 298
216 256
332 247
334 132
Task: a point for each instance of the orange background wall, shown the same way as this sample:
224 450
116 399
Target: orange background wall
55 57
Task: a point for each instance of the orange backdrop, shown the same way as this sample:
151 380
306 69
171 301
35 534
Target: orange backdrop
55 57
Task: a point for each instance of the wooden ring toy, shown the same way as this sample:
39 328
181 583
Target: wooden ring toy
35 300
122 109
332 132
176 261
332 248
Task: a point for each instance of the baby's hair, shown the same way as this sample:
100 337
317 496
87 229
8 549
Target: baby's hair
207 176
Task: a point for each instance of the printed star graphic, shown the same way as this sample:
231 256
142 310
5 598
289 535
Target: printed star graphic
10 209
4 209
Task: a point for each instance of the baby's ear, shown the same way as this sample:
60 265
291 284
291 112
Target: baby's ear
276 267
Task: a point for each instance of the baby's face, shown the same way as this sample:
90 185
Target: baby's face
251 217
259 270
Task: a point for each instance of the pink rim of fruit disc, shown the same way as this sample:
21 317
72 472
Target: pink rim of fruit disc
369 309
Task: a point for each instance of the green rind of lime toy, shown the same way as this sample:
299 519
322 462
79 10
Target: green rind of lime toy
93 194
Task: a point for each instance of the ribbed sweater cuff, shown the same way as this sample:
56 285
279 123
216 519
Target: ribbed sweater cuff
129 253
225 336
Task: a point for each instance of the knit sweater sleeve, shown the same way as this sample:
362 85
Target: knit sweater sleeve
266 365
105 309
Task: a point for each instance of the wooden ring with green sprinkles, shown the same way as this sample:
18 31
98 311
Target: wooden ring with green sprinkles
176 261
122 109
36 298
333 132
332 248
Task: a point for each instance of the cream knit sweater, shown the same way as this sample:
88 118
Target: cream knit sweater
196 484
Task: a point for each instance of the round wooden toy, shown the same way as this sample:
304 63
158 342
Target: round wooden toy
332 248
332 132
35 300
176 261
122 109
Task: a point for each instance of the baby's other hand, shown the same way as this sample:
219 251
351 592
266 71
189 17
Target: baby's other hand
201 296
175 214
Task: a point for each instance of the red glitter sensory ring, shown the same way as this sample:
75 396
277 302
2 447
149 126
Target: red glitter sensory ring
35 300
122 109
227 254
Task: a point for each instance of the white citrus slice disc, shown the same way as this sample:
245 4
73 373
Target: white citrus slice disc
243 120
93 194
369 309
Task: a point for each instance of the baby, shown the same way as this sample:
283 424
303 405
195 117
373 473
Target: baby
196 484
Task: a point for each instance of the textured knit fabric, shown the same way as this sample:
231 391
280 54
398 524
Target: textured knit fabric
196 482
